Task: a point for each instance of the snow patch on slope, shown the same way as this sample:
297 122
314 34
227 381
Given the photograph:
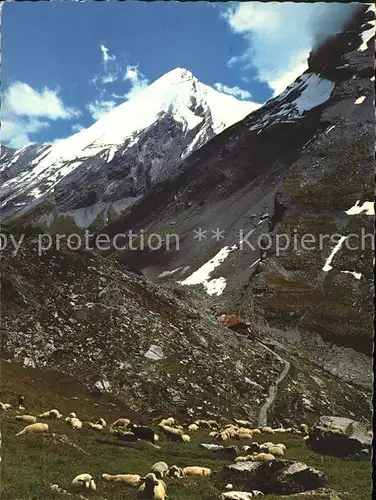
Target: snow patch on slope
368 208
327 267
202 275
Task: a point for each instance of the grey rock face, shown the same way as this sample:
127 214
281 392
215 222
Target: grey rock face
340 436
282 477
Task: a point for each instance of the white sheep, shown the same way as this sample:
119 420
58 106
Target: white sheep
94 427
193 427
160 469
52 414
102 422
185 438
196 471
29 419
5 406
34 429
304 428
281 445
126 479
84 481
121 422
267 430
75 423
277 451
71 415
175 471
171 432
169 422
152 488
263 457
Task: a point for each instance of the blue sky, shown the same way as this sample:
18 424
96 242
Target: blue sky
64 64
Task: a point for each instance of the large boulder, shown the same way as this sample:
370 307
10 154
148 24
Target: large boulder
340 436
281 477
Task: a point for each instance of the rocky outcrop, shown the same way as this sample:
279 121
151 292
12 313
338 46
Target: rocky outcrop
340 437
281 477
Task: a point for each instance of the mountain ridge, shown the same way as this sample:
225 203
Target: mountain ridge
118 158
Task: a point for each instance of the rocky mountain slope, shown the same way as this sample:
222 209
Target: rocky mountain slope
154 347
300 165
99 172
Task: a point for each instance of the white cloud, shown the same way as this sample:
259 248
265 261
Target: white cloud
22 100
26 111
106 54
15 132
280 36
97 109
109 78
234 91
137 80
77 127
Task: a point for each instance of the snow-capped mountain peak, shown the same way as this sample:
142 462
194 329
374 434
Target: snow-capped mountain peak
140 142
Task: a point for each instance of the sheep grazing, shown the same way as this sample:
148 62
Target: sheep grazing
256 431
172 433
71 415
126 479
193 427
84 481
121 422
145 433
243 423
246 458
21 402
244 435
160 469
101 421
5 406
34 429
175 471
280 430
196 471
276 451
185 438
52 414
263 457
29 419
75 423
94 427
267 430
152 488
304 428
281 445
213 424
169 422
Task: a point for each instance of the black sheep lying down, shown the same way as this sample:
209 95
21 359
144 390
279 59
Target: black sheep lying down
145 433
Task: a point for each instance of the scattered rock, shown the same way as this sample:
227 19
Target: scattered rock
155 353
339 436
281 477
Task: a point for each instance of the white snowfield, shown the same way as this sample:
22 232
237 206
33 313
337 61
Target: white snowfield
176 92
367 35
202 275
368 208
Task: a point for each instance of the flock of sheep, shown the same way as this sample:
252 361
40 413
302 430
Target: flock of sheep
152 486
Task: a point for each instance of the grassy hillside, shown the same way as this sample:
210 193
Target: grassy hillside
31 463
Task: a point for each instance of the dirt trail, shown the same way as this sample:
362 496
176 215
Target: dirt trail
263 415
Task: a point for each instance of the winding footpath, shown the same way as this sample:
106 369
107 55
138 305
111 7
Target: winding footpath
263 415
